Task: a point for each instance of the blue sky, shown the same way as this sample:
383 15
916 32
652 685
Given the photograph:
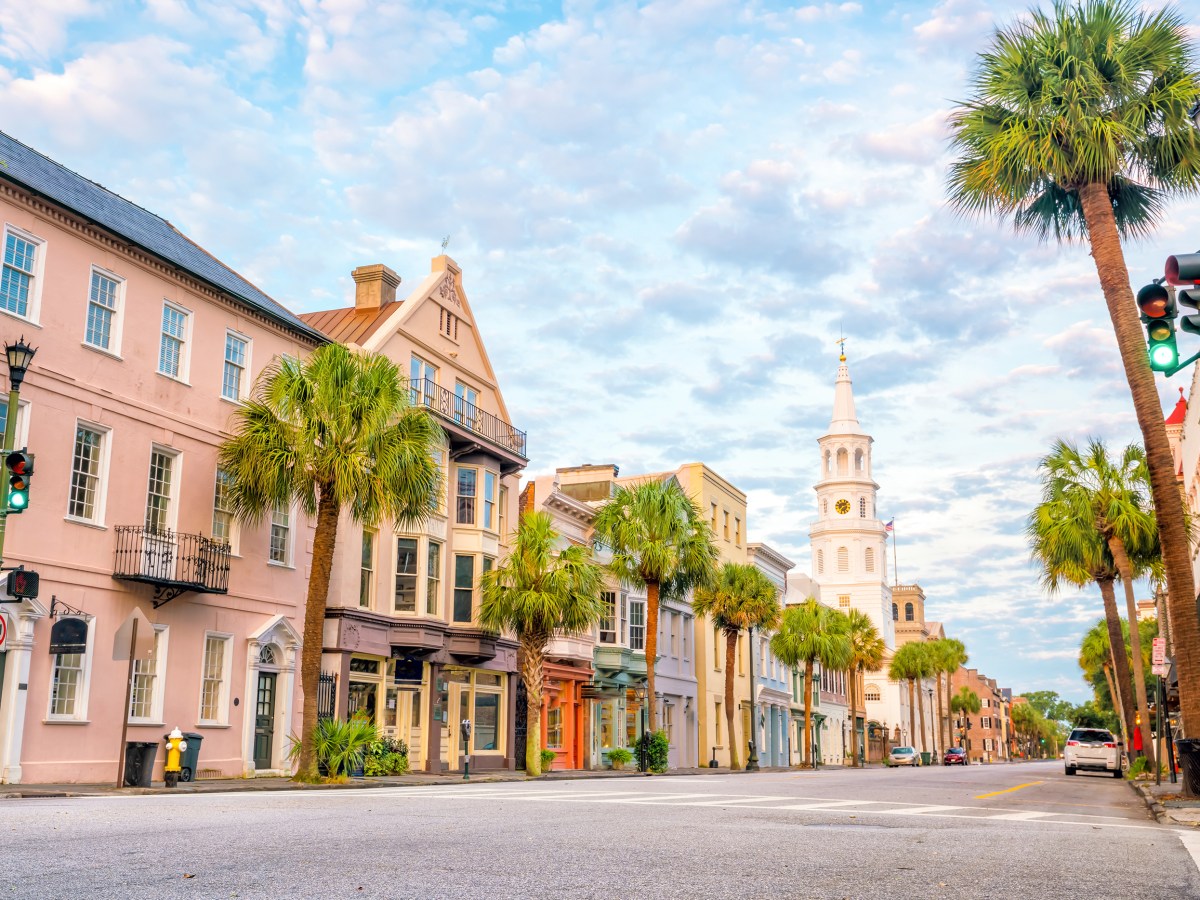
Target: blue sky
665 213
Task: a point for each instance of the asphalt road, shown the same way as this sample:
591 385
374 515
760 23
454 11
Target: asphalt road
1020 830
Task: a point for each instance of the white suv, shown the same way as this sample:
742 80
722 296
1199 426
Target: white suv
1092 748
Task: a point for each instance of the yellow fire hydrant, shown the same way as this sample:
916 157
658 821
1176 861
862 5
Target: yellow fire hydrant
175 747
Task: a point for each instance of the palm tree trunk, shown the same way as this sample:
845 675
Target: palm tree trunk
806 762
1112 688
651 644
854 718
1116 643
1168 502
731 652
950 710
1121 558
940 714
531 664
324 541
912 713
921 710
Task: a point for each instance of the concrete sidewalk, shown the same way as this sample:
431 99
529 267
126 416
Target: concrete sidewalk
1167 803
420 779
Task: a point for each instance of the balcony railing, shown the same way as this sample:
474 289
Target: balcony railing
172 562
428 393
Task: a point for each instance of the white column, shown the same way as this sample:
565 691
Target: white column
14 693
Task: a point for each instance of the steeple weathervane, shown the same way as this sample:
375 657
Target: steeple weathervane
842 343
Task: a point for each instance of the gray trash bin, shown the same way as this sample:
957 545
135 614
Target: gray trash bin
139 763
190 761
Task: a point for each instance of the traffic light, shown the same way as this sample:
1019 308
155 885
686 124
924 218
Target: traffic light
1185 270
1158 312
20 467
23 584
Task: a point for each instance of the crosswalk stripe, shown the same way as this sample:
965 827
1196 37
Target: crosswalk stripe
1026 816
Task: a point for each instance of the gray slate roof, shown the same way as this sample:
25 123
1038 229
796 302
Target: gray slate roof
32 170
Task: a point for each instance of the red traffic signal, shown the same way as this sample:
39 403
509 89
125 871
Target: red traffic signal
23 584
19 462
1183 268
1154 302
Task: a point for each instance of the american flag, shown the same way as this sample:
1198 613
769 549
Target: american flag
888 526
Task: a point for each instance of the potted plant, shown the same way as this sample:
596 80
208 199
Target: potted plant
548 758
619 756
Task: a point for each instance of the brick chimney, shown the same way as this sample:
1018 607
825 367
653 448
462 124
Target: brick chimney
374 286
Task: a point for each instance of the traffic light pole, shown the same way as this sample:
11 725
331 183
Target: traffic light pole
10 433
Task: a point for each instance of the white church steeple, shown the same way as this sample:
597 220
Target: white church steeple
849 545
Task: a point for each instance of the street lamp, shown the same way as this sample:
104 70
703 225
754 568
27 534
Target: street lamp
20 355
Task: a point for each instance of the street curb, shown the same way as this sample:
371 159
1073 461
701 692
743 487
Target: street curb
1156 808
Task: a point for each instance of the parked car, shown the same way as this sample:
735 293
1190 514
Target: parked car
1092 748
903 756
955 756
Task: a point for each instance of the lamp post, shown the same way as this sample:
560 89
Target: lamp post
933 722
20 355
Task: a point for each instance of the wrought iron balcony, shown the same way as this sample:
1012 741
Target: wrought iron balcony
172 562
456 410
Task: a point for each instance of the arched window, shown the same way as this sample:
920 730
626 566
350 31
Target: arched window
266 656
843 462
862 507
858 462
825 507
872 693
895 613
828 463
843 559
820 562
908 612
870 559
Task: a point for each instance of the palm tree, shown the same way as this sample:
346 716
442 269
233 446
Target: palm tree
1079 128
333 433
965 703
867 650
1112 495
949 655
540 590
810 633
659 541
742 598
912 663
1095 656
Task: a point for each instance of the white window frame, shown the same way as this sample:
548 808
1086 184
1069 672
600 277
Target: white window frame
99 504
34 309
488 498
418 574
172 513
434 576
235 531
421 371
368 565
643 625
608 616
226 674
117 322
289 545
85 681
158 686
185 350
243 385
21 435
474 497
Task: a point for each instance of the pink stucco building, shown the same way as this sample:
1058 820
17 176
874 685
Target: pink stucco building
145 346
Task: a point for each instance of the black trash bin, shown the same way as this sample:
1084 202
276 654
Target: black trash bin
189 763
1187 751
139 763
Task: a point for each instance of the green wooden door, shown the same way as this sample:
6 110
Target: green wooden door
264 720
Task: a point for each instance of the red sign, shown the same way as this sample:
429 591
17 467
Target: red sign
1160 651
3 631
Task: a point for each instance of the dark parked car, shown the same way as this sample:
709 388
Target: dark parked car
955 756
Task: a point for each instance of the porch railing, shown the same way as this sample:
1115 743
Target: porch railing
428 393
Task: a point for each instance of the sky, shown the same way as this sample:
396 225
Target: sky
666 214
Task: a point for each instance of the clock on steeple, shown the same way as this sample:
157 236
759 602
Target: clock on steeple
842 506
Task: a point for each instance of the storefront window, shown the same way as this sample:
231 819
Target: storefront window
554 729
487 720
607 711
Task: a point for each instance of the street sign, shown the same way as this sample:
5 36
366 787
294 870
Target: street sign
1159 669
1160 651
124 645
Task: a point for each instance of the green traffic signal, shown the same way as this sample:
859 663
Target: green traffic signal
20 467
1158 312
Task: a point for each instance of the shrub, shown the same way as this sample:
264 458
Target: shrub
386 756
548 758
619 756
656 746
1139 766
340 746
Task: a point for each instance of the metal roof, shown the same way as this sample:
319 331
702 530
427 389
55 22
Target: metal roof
154 234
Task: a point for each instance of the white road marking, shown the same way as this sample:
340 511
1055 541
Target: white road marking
1191 843
1025 816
